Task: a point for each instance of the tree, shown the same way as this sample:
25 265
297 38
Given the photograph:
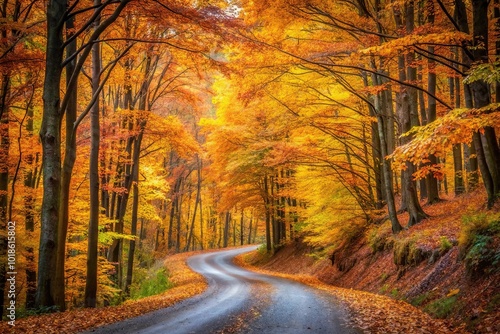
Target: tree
50 134
92 254
486 144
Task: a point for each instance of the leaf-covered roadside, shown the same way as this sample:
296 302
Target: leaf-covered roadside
370 312
186 284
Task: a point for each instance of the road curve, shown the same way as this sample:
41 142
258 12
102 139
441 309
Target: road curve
241 301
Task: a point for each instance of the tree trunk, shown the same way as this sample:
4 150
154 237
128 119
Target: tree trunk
69 161
178 212
409 118
200 181
496 16
388 187
94 206
458 171
431 181
173 207
50 136
471 163
423 183
29 206
124 169
249 237
282 206
241 229
196 204
135 206
225 239
401 103
267 206
4 183
274 211
486 144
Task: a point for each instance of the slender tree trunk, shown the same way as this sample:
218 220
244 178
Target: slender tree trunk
471 163
375 143
388 187
254 236
178 218
282 206
401 99
69 161
372 201
455 98
173 207
423 183
200 181
234 231
267 205
225 239
249 237
4 183
94 207
274 212
124 169
241 229
196 204
135 207
431 181
496 15
29 206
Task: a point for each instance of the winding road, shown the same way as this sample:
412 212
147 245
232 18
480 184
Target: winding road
241 301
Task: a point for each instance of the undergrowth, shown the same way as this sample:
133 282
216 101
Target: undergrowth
478 241
442 308
379 238
150 284
422 298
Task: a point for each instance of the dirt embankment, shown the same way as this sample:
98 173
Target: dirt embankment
443 288
424 266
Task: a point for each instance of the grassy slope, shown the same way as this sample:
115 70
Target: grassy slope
430 272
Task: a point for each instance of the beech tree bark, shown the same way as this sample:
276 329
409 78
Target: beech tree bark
69 162
50 136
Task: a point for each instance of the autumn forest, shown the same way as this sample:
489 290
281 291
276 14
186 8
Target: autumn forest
133 129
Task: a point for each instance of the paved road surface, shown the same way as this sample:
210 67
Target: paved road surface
240 301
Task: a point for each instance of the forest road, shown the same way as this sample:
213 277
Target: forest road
241 301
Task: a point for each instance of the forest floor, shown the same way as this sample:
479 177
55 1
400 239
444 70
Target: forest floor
430 279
